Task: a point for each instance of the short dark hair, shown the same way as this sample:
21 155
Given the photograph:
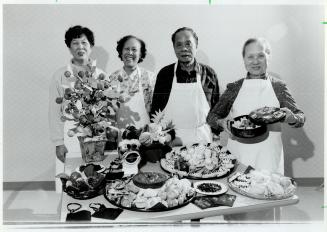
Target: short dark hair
185 29
262 41
77 32
122 41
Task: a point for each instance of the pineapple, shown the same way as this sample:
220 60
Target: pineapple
158 118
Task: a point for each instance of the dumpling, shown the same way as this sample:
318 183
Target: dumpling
275 189
257 189
285 182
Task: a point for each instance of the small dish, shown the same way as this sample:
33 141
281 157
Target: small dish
211 188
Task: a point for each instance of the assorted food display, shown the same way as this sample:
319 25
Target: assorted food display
187 175
262 185
199 161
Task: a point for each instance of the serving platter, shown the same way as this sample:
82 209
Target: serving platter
173 194
211 188
199 161
267 115
242 184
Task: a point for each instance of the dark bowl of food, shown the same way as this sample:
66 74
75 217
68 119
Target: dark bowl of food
243 127
154 152
86 182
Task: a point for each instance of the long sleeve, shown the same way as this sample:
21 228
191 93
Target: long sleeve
222 108
286 99
162 88
55 110
210 84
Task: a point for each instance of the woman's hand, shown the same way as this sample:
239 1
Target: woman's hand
290 117
61 151
226 125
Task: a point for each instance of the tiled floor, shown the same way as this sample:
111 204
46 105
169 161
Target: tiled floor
43 206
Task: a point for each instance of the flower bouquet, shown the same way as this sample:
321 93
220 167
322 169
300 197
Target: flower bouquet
155 139
90 101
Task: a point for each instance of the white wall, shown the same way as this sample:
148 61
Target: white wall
34 48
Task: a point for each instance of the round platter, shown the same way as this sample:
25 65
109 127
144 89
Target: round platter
151 209
211 188
85 195
267 115
115 195
226 162
239 190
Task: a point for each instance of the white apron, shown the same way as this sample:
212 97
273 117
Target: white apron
133 112
188 108
268 153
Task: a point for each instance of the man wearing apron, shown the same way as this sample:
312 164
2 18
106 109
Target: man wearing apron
79 41
255 91
186 90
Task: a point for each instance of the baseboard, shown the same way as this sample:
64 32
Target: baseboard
50 185
30 185
309 181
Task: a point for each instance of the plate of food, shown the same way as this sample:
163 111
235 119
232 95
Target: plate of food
243 127
262 185
208 187
86 182
267 115
173 193
199 161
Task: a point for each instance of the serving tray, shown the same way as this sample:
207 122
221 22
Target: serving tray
220 172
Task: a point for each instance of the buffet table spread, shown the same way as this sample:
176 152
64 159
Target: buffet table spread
190 211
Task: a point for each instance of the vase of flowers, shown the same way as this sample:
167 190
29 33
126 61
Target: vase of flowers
92 104
155 138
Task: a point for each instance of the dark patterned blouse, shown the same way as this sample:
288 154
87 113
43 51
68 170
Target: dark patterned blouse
226 101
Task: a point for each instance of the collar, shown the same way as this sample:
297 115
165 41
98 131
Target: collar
133 75
196 67
263 76
90 63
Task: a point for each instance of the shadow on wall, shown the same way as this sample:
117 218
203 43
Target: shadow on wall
101 56
202 57
297 145
128 117
149 62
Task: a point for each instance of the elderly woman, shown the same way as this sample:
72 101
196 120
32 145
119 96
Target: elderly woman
133 82
256 90
80 41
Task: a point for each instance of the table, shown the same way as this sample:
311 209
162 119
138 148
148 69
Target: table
242 204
